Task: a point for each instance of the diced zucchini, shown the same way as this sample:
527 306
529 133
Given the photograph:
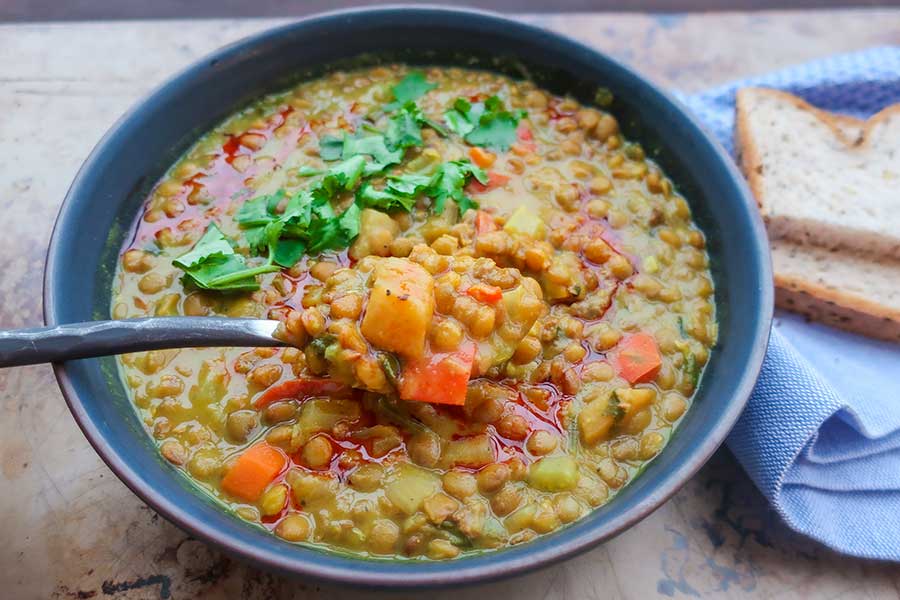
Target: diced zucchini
407 486
554 474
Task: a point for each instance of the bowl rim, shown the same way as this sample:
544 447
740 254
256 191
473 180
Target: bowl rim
463 571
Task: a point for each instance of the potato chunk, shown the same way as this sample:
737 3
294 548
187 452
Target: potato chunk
400 307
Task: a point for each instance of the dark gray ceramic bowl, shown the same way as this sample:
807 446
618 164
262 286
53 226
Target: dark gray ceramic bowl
107 194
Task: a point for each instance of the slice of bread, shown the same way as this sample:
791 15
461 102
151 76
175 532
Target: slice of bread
843 289
839 269
821 178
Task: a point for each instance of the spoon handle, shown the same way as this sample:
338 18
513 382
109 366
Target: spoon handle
102 338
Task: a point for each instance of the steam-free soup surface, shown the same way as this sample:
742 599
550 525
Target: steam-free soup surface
499 309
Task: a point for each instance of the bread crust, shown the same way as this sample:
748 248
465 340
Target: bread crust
749 153
836 308
805 295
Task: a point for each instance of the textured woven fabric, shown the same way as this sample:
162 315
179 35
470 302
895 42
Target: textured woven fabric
821 433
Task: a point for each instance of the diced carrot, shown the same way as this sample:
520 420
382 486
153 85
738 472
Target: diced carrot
489 294
439 378
299 389
495 180
523 132
255 469
482 157
638 358
484 222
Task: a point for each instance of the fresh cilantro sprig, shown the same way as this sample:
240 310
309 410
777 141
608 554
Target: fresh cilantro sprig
448 182
486 124
411 88
213 264
285 228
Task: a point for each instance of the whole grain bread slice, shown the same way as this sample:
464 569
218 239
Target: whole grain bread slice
820 178
844 289
841 271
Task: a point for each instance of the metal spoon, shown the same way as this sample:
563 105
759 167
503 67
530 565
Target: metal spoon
102 338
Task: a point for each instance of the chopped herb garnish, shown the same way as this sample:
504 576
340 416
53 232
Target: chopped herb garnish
411 88
449 181
401 191
306 171
331 147
681 328
614 407
285 228
691 369
212 264
385 199
486 124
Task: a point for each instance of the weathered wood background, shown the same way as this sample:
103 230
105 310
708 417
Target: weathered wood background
70 529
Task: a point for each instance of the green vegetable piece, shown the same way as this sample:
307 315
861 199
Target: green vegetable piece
212 264
614 407
692 369
374 146
489 124
331 147
404 130
409 184
412 87
463 117
307 171
212 245
385 200
343 176
288 252
554 474
449 181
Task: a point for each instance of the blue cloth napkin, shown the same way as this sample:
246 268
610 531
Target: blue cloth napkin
821 433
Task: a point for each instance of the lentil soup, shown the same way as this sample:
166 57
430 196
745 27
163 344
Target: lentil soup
498 310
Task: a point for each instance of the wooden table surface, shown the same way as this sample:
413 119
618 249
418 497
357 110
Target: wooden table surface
72 530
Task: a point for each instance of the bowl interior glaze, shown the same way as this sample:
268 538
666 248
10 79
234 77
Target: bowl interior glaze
100 209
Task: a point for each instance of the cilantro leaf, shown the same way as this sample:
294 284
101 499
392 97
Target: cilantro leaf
409 184
258 211
343 176
449 181
374 146
334 232
330 147
486 124
212 264
212 245
463 117
496 131
307 171
410 88
288 252
385 200
403 130
405 127
256 238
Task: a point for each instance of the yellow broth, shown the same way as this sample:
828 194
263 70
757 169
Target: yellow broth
580 247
